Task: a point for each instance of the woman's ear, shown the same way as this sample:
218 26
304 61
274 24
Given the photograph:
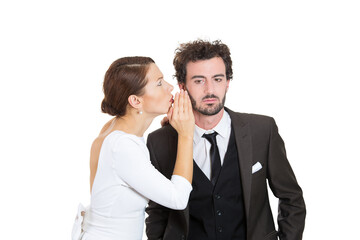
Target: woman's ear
135 102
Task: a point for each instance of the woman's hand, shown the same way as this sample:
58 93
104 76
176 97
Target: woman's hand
181 116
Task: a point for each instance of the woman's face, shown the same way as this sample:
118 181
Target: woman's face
157 98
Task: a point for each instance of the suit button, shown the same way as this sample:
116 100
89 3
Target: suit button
218 212
220 229
182 237
217 196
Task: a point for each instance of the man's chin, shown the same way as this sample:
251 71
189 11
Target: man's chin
210 110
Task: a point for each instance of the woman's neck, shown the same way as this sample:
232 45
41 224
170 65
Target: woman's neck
133 123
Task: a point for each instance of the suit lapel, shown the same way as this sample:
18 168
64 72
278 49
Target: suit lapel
244 147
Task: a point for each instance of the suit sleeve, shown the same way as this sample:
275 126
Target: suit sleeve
282 181
158 215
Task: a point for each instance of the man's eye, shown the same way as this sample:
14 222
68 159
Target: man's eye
218 79
198 81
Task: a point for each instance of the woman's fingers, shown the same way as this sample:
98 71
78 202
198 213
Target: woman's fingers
181 116
188 103
175 112
182 106
181 102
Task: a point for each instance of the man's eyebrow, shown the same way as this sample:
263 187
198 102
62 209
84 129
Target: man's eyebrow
197 76
218 75
201 76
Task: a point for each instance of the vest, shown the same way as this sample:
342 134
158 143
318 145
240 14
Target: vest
217 212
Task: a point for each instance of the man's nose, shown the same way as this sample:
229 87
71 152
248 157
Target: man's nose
209 86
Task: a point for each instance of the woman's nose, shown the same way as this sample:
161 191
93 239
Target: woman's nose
171 87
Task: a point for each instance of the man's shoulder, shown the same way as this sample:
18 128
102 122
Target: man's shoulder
162 132
259 125
243 118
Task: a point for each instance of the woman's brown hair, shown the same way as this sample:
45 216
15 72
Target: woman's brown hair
126 76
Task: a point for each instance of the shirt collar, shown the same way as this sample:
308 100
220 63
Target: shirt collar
221 128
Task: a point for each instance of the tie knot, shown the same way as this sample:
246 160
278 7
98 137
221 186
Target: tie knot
211 137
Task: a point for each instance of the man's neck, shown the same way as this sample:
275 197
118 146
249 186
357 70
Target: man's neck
207 122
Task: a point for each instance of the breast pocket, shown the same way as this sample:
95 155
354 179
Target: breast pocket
258 170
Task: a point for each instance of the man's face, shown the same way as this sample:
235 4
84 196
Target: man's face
207 85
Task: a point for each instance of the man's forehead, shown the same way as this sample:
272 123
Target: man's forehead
210 66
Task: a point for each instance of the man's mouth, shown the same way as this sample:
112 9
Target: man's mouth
210 100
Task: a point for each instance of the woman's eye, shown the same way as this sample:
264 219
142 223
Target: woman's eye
159 83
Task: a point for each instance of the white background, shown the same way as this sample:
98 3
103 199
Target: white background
298 61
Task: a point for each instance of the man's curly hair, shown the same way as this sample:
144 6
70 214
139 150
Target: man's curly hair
200 50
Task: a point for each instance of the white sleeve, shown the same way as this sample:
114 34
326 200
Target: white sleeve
132 164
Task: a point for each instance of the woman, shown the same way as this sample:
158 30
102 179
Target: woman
122 178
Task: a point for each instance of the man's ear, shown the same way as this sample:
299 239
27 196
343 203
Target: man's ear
135 102
227 85
182 86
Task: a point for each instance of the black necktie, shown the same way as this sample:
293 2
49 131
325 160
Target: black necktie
214 156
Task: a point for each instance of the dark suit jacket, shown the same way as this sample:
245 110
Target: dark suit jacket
257 140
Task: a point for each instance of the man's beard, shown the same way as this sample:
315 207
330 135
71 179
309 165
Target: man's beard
212 109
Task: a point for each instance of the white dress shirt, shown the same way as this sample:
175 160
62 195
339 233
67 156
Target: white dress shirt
125 181
201 152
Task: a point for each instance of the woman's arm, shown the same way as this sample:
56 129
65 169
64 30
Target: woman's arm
182 119
132 164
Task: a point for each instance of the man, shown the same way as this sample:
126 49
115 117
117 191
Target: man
234 154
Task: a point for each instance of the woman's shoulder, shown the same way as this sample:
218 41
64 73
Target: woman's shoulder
119 138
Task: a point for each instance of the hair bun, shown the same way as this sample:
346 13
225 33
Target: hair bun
107 108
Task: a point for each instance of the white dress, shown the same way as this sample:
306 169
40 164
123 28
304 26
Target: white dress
125 181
